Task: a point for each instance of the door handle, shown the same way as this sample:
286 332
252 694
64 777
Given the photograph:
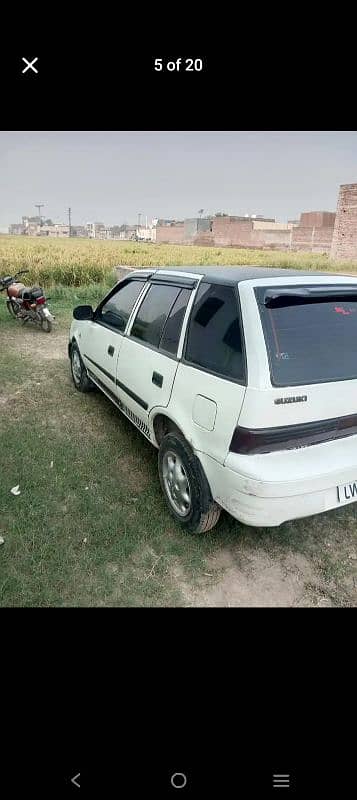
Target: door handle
111 350
157 379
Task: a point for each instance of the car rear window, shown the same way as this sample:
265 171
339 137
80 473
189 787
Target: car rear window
310 340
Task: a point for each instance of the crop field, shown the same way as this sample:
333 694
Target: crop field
77 262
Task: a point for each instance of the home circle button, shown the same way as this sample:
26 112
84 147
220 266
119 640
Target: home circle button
178 780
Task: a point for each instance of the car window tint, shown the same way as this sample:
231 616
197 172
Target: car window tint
310 342
214 338
171 333
117 310
153 312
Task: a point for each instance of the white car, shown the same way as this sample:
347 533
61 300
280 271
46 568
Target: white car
244 378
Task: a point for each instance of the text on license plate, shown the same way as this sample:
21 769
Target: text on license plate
347 492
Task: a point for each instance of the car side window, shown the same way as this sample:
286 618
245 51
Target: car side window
214 339
116 311
172 330
152 314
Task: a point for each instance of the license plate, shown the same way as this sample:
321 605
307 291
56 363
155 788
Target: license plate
46 312
347 493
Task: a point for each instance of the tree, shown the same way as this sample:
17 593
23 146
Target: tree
200 212
221 214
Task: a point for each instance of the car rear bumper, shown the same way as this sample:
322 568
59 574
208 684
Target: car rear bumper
264 498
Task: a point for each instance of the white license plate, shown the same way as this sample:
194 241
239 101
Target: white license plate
347 493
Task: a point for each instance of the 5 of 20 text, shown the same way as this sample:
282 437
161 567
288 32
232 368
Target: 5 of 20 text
181 64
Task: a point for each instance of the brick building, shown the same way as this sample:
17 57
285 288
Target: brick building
314 232
344 241
195 227
317 219
169 232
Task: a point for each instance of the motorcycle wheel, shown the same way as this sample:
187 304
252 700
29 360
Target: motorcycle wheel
46 325
11 308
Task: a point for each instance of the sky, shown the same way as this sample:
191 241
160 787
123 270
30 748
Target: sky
112 176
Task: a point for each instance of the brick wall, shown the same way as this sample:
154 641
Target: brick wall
316 240
279 238
230 231
204 239
322 240
317 219
301 238
170 234
344 242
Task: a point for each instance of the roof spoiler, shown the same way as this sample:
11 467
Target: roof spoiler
278 298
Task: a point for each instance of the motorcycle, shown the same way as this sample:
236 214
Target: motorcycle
27 303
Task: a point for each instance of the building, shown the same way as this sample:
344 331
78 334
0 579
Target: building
127 232
194 227
169 232
314 232
79 231
344 240
17 229
54 231
317 219
93 229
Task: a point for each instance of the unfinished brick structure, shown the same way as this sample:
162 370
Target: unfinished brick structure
344 242
314 232
317 219
170 234
228 231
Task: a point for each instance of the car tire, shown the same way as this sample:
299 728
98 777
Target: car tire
185 486
79 372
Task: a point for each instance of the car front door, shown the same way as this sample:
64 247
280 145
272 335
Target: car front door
102 338
147 362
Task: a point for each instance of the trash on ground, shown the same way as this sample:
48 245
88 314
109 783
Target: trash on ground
16 490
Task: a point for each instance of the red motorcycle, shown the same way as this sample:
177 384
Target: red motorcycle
27 303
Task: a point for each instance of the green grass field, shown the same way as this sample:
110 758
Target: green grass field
72 262
90 526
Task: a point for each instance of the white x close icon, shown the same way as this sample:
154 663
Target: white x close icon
30 65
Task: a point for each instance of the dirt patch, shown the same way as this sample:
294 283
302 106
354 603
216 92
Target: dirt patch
36 344
254 579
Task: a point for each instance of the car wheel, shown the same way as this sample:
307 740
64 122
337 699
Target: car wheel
79 372
185 486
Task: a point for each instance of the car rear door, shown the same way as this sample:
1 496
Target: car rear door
102 338
147 362
210 381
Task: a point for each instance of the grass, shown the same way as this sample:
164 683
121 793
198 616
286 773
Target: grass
77 262
93 528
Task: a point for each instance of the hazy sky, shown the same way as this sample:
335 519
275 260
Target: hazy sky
111 176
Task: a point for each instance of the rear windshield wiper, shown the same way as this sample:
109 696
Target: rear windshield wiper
278 298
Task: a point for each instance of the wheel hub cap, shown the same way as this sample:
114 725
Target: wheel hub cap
176 483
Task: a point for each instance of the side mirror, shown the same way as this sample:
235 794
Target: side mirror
83 312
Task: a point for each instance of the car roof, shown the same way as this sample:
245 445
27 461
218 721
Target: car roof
219 274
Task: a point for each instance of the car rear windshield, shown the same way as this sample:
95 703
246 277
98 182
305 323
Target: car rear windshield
310 332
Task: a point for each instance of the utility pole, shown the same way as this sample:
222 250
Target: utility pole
139 218
39 206
69 221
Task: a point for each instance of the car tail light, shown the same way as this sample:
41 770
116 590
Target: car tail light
40 301
249 441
